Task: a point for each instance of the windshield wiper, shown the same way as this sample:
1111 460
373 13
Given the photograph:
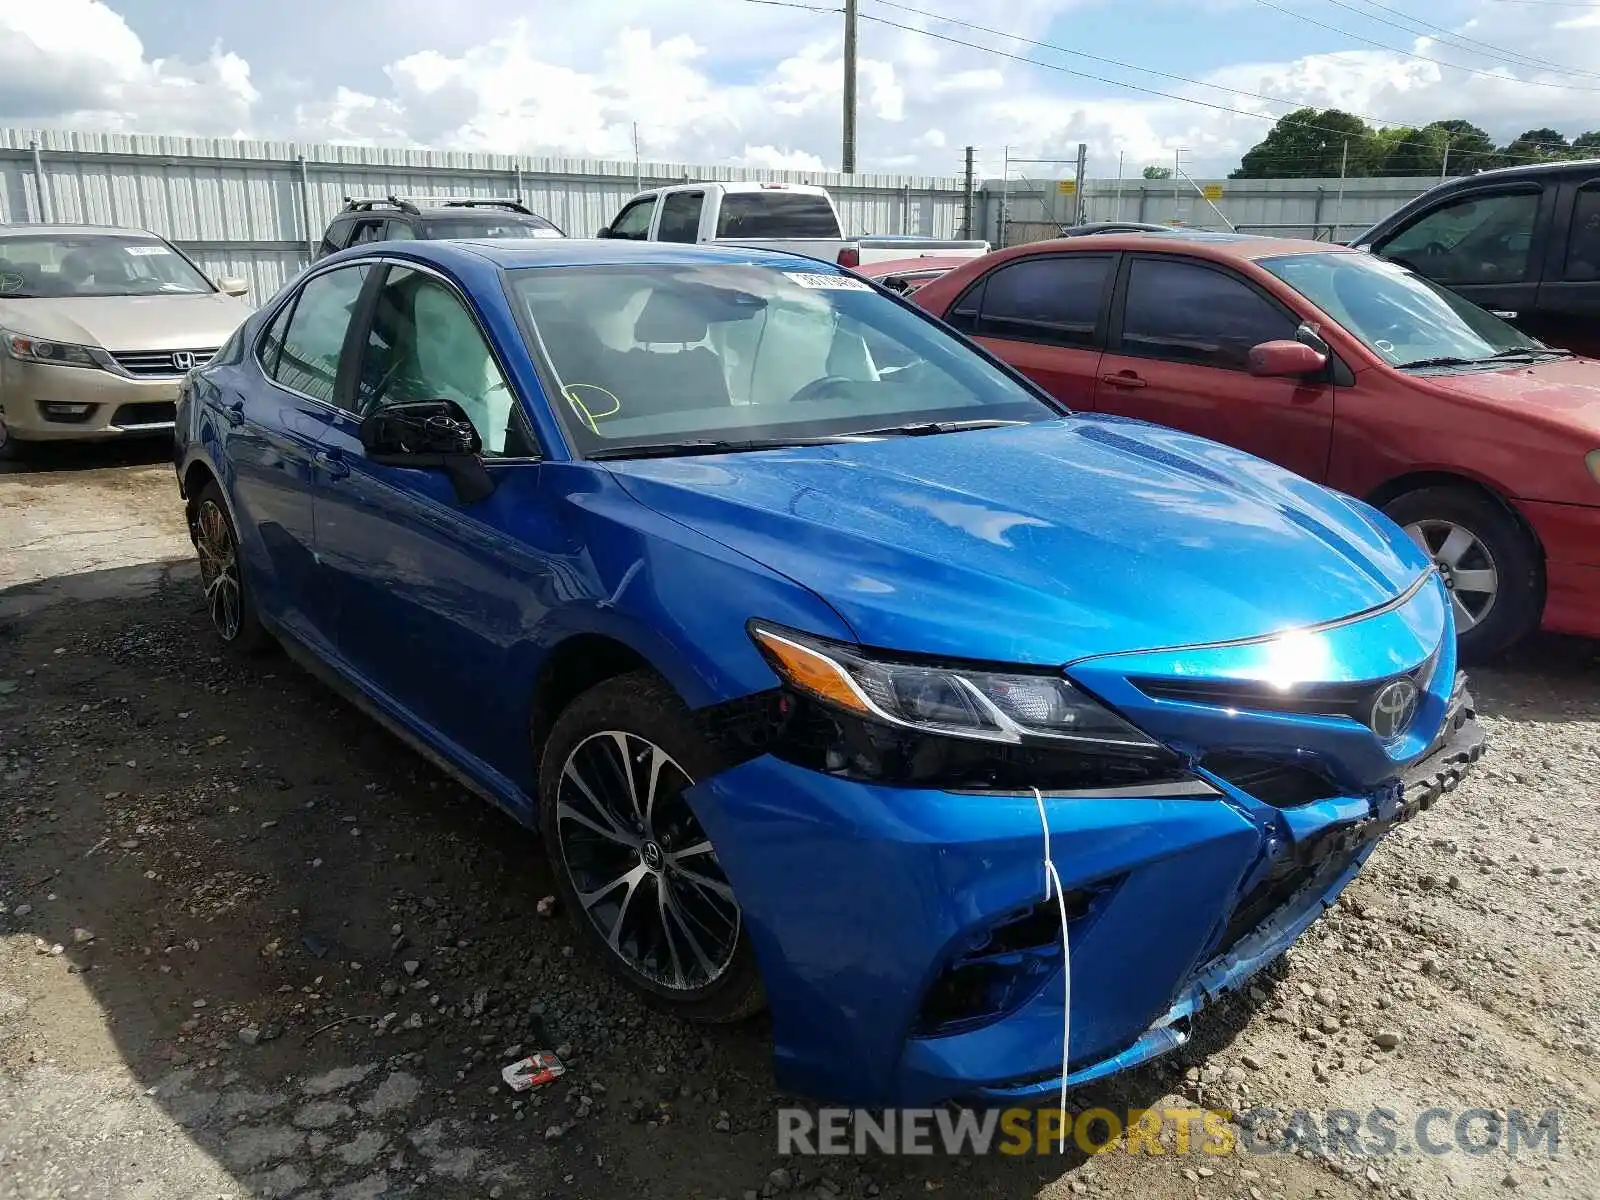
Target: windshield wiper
924 428
1520 352
709 446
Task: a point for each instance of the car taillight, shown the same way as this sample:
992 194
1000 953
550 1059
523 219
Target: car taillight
850 256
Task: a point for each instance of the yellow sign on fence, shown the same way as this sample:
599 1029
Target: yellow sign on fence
1212 191
1067 186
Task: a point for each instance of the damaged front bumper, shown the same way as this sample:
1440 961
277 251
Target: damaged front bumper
907 951
1460 745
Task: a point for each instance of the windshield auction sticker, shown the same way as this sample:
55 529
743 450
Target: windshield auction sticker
828 283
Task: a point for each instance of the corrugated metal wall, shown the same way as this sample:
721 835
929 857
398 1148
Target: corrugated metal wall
1325 209
249 208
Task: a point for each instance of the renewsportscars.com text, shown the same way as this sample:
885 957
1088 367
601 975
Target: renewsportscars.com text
1376 1133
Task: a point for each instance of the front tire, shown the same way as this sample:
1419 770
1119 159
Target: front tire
229 602
637 872
1489 563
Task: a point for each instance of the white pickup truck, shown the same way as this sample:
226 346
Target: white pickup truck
799 218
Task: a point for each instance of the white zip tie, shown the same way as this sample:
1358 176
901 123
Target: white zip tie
1052 879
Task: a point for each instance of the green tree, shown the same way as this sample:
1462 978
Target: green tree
1408 151
1155 172
1587 145
1536 145
1307 144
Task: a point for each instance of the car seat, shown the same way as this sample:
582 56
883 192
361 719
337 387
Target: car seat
652 381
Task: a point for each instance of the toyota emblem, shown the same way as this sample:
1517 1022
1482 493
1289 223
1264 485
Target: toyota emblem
183 360
1393 708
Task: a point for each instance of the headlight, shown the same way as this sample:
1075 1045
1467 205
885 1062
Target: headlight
60 354
958 702
1593 459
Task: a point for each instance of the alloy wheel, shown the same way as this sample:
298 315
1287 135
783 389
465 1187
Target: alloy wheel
219 569
1465 564
644 871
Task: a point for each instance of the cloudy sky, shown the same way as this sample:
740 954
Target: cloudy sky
732 81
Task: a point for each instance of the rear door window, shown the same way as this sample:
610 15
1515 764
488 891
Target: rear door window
680 217
776 214
1479 238
1055 300
1185 312
1583 239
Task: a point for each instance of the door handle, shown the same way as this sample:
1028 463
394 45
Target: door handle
235 413
1124 379
332 462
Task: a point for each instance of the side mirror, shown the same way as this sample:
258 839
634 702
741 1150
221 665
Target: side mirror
429 434
233 286
603 232
1285 359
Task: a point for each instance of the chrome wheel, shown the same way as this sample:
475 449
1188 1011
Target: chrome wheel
219 569
645 874
1465 564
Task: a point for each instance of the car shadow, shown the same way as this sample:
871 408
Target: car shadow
1548 678
41 458
311 953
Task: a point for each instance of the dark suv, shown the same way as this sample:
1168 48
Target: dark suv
1523 242
426 218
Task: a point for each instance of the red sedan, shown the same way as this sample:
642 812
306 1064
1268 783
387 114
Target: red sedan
1482 443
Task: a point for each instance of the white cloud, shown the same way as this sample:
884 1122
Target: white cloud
715 81
77 63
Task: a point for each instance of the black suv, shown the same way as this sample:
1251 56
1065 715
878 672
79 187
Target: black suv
1523 242
427 218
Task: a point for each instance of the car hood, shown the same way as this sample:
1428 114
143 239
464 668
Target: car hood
200 322
1565 390
1043 543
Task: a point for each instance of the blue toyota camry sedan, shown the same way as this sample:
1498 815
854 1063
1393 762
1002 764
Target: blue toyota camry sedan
842 670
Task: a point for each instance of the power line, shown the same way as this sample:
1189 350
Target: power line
1116 83
1438 62
1128 66
1099 58
1460 41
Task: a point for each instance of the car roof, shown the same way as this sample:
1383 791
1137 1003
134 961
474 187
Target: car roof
1204 243
516 253
1525 170
65 230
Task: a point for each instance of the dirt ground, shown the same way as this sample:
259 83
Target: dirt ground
250 945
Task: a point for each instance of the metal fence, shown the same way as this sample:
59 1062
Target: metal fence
254 209
1324 209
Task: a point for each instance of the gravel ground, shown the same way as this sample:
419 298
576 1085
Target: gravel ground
252 946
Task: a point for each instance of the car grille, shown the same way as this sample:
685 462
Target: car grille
1350 700
152 413
158 364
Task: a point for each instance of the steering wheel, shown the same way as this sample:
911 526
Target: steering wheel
818 389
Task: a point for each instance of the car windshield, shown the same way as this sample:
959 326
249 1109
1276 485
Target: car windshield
1401 315
492 225
44 266
652 355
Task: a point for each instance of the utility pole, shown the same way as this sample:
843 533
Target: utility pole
967 198
1081 213
1116 212
1444 167
849 155
1338 204
638 180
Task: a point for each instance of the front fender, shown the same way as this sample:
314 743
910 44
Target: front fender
679 599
